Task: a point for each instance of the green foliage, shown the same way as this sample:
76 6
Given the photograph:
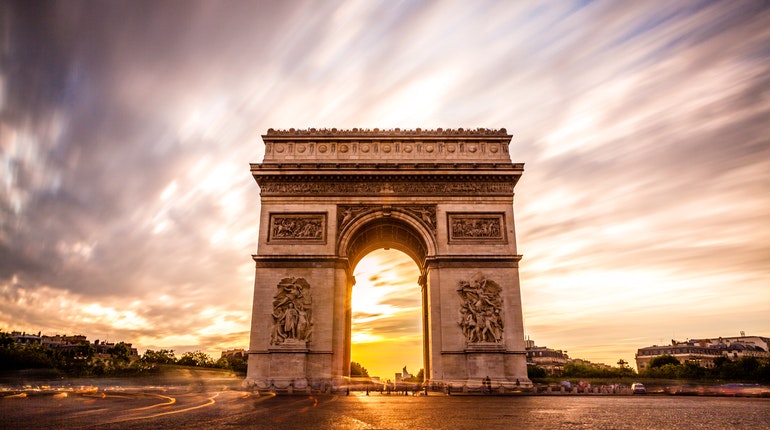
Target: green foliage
662 360
719 361
81 360
575 370
665 371
236 363
17 357
691 371
744 369
196 358
163 356
536 372
6 340
120 353
358 371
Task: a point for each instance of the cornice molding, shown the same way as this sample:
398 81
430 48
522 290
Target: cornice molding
334 133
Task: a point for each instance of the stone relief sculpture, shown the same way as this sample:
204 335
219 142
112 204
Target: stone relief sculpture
293 227
292 305
476 227
426 214
480 317
345 214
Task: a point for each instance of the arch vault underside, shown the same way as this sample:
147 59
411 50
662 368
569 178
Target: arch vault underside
443 197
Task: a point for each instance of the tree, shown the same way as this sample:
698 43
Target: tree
721 360
6 340
662 360
197 358
748 367
358 371
120 353
236 363
33 356
164 356
536 372
420 375
86 350
690 370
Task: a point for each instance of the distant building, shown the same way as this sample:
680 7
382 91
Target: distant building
238 352
551 360
554 360
65 342
404 375
703 351
26 339
102 348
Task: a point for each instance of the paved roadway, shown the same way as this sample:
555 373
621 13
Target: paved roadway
162 408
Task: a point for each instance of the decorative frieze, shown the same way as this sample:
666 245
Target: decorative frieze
480 310
483 227
278 187
292 313
303 227
362 144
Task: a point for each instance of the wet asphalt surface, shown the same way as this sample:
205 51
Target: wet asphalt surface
165 408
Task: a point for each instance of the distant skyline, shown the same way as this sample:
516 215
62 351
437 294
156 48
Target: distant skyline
127 211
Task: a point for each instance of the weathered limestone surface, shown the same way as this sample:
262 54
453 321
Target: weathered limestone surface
329 197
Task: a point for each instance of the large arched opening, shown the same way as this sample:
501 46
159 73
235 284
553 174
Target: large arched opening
386 318
378 230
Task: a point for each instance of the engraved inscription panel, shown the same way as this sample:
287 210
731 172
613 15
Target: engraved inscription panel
304 227
484 227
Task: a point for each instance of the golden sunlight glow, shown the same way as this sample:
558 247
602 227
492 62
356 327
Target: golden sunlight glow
386 323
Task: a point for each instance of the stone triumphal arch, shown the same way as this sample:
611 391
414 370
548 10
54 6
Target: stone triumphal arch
443 197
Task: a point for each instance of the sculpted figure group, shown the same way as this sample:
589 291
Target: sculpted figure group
476 228
292 311
480 311
297 228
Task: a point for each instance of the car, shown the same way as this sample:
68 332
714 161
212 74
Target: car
638 388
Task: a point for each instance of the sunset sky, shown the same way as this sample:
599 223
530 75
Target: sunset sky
127 210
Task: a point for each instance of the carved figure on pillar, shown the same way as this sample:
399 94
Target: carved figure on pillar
292 312
480 317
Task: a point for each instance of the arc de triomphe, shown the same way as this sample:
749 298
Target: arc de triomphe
443 197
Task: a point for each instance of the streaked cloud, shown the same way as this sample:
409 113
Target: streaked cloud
127 210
